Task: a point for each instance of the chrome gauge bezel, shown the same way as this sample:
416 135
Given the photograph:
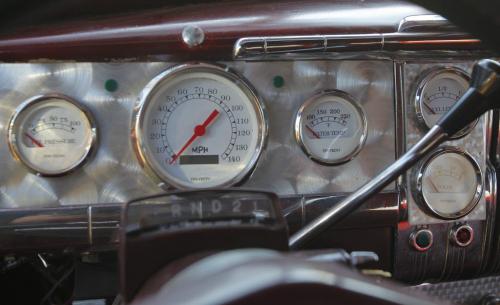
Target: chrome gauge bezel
422 84
139 143
298 132
29 103
418 184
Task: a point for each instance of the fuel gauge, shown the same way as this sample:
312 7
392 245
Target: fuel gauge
51 134
438 92
331 127
449 183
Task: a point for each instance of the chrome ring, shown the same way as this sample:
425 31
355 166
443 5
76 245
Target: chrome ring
11 134
138 125
422 84
418 191
298 126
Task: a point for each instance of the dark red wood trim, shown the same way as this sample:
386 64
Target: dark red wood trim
157 33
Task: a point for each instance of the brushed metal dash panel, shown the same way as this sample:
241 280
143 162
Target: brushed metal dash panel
113 174
474 143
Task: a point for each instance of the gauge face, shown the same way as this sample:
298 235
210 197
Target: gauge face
51 134
450 183
438 92
199 126
330 127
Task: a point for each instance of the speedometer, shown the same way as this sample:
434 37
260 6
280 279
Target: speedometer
198 126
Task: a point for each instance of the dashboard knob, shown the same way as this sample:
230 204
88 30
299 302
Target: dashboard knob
421 240
462 235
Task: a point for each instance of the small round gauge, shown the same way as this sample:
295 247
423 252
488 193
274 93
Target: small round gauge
438 92
198 126
449 183
331 127
51 134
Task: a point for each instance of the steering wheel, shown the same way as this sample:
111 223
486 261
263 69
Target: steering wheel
270 277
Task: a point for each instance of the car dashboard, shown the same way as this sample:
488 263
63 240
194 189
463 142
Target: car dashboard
309 101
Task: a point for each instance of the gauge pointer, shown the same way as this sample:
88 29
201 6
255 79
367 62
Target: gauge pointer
35 141
199 131
429 108
433 185
314 133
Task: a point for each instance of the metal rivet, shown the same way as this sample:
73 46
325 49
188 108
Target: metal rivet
193 36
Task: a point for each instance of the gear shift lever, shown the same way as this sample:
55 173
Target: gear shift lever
482 95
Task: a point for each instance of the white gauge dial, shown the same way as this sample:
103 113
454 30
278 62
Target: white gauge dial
51 134
438 92
199 126
450 183
331 127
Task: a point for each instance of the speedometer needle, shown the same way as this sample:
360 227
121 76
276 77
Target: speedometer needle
35 141
199 131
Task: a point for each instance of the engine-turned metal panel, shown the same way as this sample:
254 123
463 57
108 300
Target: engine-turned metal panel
113 174
473 143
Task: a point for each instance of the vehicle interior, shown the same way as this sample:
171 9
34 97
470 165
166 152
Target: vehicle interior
249 152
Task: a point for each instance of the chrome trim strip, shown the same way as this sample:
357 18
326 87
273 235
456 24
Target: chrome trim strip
252 47
89 222
427 23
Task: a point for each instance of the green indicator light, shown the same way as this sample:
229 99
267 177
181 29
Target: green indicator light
278 81
423 240
111 85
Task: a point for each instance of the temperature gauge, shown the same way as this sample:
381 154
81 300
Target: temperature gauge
51 134
438 92
331 127
449 183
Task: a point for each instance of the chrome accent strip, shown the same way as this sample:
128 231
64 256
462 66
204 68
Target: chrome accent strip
425 23
62 227
89 221
432 139
256 47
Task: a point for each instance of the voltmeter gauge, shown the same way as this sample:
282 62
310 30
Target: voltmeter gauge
437 92
51 134
331 127
198 126
449 183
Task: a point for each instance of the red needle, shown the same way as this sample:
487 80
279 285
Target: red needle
35 141
314 133
199 130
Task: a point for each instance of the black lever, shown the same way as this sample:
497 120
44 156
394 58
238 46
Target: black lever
483 95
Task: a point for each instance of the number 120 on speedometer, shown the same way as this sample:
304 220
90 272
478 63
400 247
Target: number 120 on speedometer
199 126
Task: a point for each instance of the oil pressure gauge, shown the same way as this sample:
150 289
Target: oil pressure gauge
449 183
331 127
51 134
437 92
